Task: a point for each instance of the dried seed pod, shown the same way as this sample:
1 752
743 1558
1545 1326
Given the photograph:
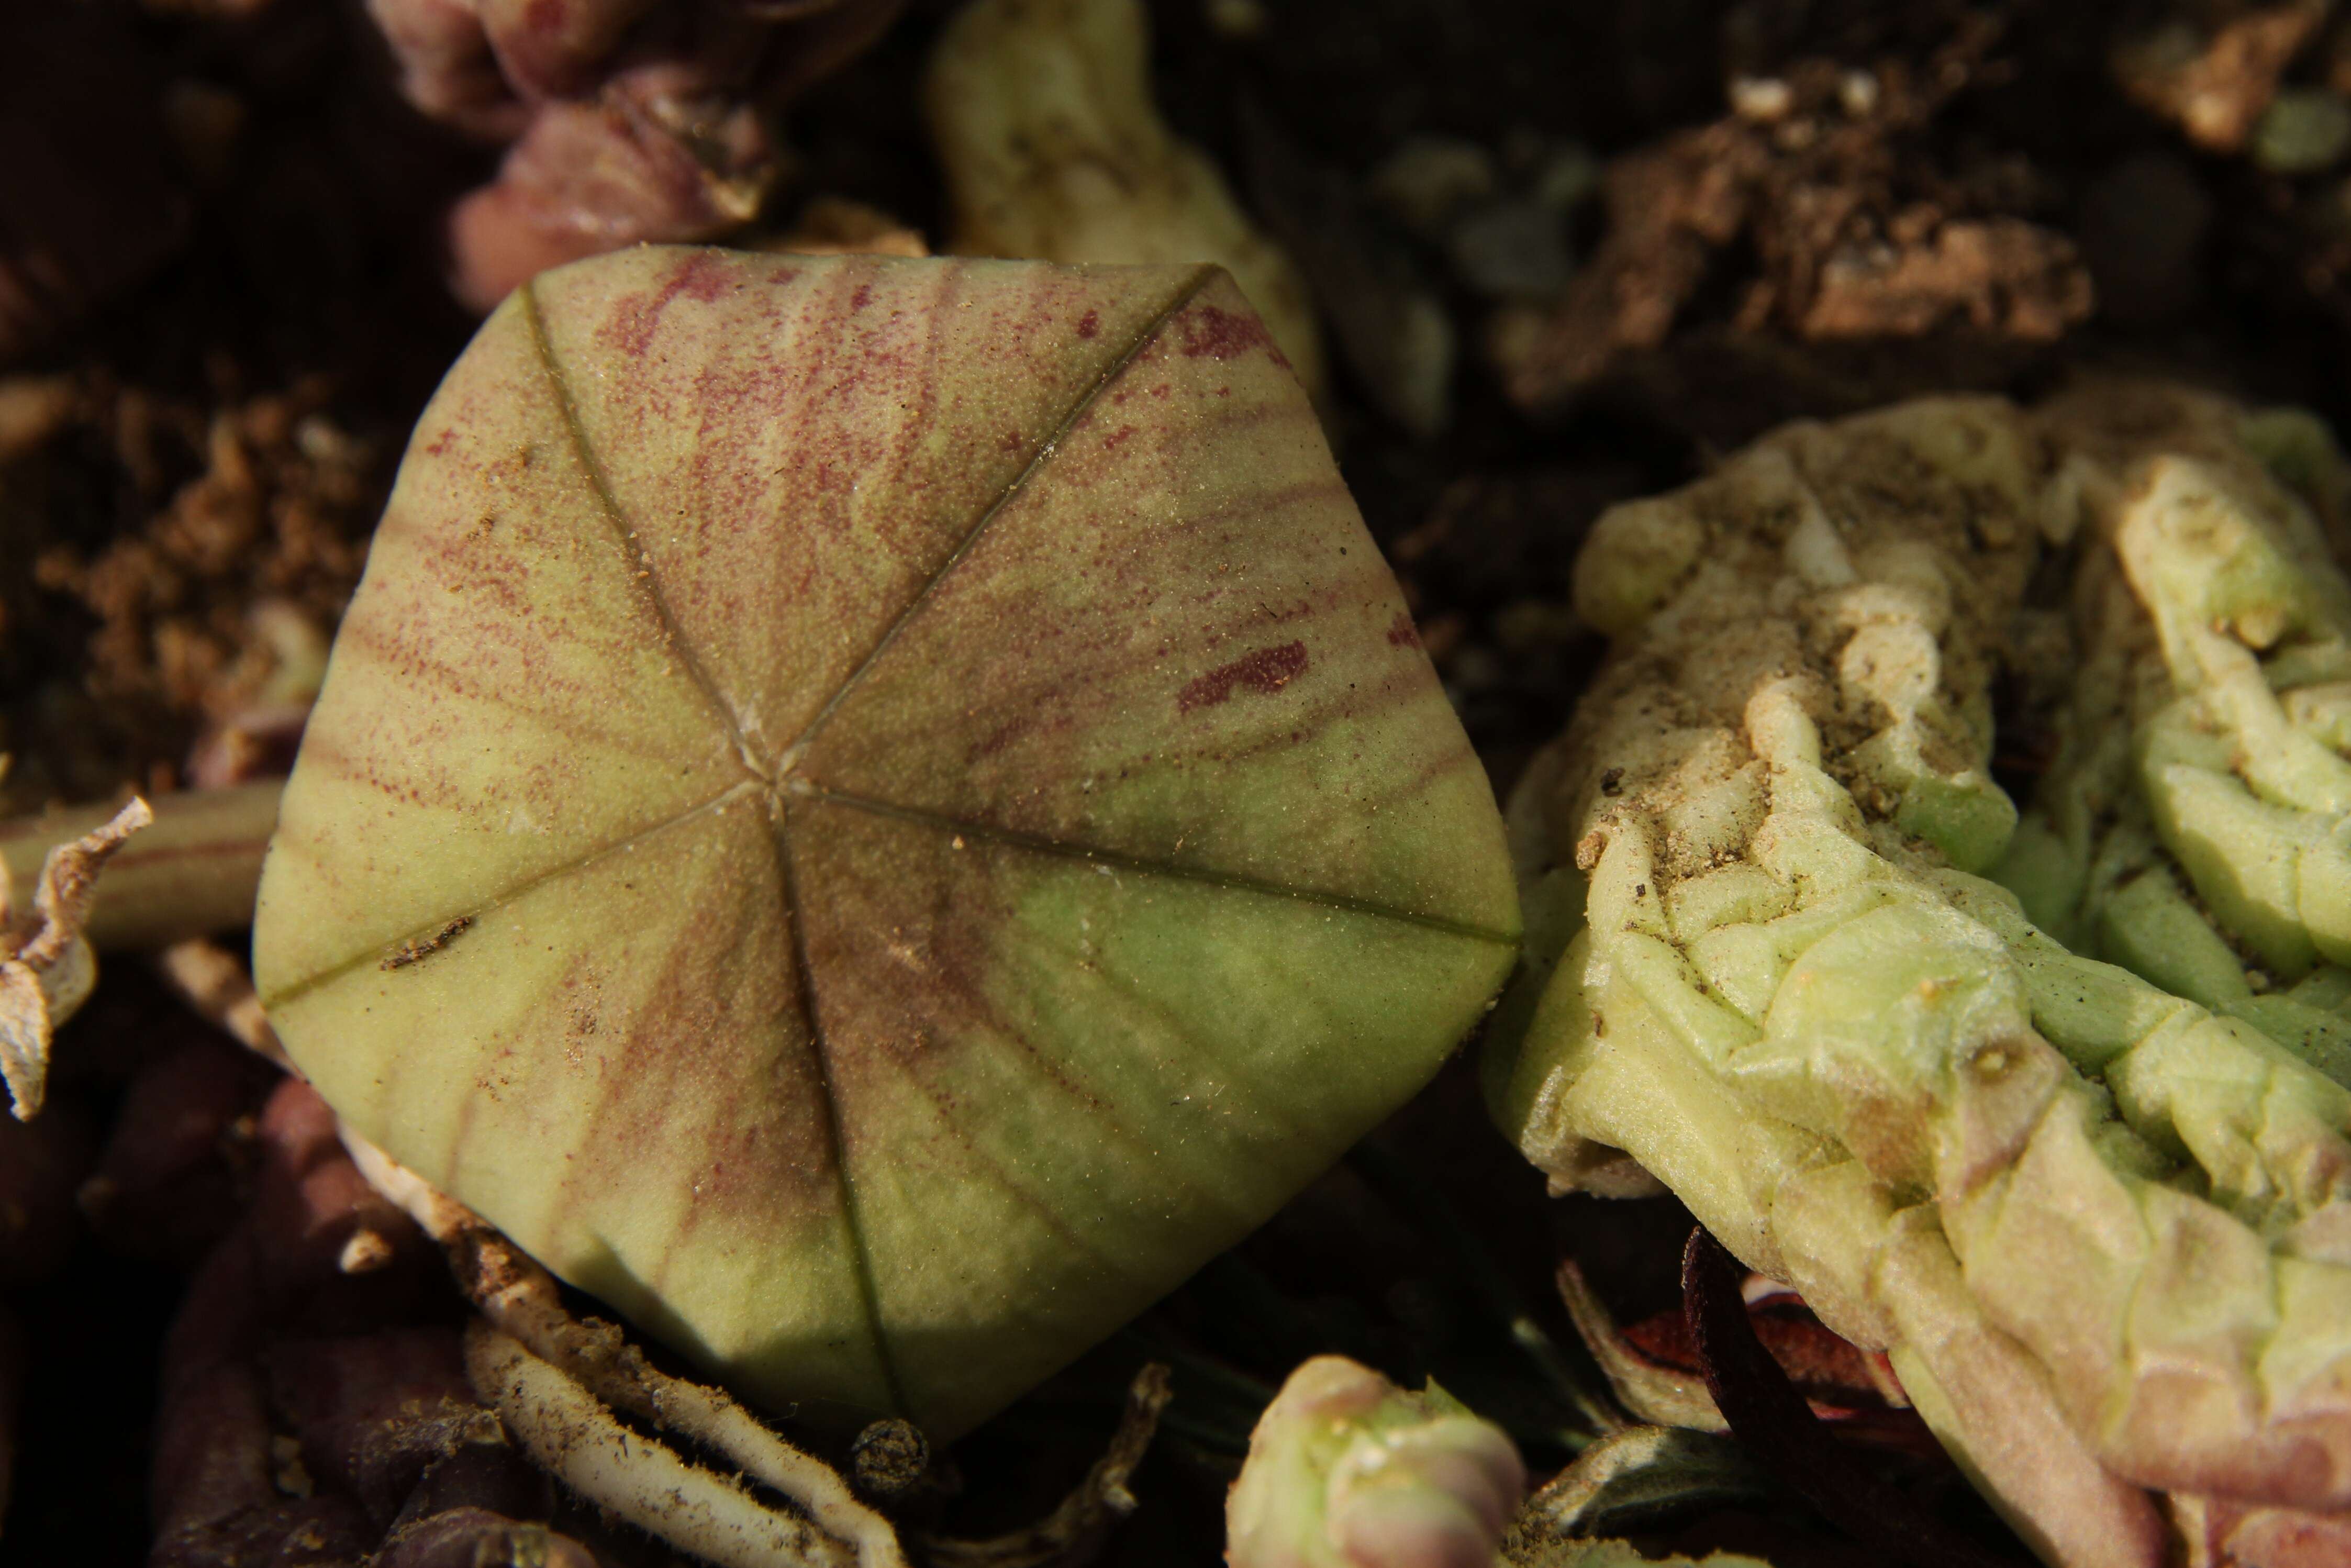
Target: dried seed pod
952 824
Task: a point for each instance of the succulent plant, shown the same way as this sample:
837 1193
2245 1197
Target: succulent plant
875 814
1053 148
1347 1470
2095 1221
2191 827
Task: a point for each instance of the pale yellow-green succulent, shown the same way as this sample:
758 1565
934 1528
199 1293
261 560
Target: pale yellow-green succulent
2097 1216
1347 1470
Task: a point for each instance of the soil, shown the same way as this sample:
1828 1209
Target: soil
224 299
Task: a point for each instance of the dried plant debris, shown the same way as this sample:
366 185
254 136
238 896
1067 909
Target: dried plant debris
1657 1374
1601 1551
2090 1198
192 872
46 968
1076 1528
2268 87
1779 1428
2214 69
211 542
834 225
417 948
568 1388
1054 151
629 120
1855 234
323 1411
1628 1480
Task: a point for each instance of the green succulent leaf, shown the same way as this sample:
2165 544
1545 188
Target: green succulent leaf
875 814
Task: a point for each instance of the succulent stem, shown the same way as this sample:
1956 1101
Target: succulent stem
192 872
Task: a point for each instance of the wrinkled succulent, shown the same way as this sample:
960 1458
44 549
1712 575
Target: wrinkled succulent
2088 1182
1347 1470
876 813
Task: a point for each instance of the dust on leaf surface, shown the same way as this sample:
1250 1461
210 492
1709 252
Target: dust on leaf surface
939 862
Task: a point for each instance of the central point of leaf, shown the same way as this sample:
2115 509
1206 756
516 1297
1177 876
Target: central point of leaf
782 786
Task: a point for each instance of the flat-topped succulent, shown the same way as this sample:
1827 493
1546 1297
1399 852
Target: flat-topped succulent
876 813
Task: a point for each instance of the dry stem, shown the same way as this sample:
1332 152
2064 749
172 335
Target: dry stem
1086 1514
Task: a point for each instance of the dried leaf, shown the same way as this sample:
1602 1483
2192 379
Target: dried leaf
1778 1429
1075 1528
1631 1480
1653 1391
49 973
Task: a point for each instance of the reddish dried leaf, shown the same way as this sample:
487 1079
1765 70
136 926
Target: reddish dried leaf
1778 1429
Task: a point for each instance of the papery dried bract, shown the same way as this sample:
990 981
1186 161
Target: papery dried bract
47 969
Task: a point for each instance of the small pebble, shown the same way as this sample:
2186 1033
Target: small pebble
1238 18
889 1458
2144 230
204 121
1760 99
364 1253
1564 174
2304 129
1428 180
1512 250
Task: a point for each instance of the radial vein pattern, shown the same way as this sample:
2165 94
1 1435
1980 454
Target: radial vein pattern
1082 751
